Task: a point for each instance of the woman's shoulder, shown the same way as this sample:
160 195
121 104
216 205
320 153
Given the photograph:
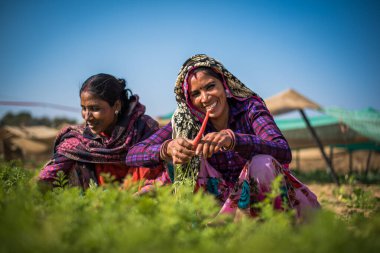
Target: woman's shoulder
70 131
73 127
249 104
148 121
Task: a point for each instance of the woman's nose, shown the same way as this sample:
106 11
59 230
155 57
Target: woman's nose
204 96
86 115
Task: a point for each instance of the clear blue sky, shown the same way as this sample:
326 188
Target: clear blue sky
327 50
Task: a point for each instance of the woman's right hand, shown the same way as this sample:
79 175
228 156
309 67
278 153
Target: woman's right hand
180 150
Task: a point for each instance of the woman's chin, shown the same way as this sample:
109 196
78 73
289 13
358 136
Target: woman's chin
214 113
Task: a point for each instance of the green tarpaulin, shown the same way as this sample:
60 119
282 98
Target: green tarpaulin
359 129
365 122
299 123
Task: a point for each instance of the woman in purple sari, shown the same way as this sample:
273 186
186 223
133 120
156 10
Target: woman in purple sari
242 150
114 121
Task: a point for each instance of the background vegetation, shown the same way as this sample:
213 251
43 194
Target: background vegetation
26 119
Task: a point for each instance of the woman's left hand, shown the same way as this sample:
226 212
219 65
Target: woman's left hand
212 143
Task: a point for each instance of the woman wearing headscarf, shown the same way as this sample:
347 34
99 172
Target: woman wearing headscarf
241 151
114 121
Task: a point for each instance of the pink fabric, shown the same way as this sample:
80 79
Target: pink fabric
257 176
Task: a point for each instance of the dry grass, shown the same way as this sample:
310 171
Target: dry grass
311 159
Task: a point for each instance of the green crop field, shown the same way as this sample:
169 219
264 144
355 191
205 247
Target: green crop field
107 219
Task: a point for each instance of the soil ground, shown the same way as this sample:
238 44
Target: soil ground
335 199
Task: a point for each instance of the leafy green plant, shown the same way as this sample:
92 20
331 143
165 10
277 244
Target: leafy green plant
12 175
60 180
107 219
354 195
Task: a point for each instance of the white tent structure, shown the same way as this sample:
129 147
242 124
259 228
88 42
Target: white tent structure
288 101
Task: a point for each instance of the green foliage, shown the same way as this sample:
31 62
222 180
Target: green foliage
172 219
184 173
354 195
12 175
266 206
61 180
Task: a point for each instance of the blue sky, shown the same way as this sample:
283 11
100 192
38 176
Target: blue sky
327 50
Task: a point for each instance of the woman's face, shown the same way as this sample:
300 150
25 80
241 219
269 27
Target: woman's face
98 114
207 94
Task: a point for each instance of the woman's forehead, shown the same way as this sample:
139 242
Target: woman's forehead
90 98
199 79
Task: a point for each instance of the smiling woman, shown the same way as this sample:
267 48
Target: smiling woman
114 121
242 150
102 98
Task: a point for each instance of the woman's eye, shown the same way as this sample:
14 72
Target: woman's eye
195 94
91 109
210 86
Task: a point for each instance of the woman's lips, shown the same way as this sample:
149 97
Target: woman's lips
210 107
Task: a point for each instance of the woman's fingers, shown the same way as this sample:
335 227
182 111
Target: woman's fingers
212 143
180 157
208 148
185 143
198 150
180 150
182 153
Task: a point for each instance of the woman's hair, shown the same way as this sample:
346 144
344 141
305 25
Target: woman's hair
108 88
209 71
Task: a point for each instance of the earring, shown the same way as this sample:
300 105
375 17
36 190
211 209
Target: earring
116 112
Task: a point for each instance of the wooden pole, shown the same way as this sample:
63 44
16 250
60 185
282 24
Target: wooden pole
350 162
368 163
319 143
332 155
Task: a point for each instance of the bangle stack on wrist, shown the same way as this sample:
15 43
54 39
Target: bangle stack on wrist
164 151
232 136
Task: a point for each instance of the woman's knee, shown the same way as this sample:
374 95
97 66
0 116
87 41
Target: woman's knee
263 168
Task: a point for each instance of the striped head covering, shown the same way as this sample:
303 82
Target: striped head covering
186 120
